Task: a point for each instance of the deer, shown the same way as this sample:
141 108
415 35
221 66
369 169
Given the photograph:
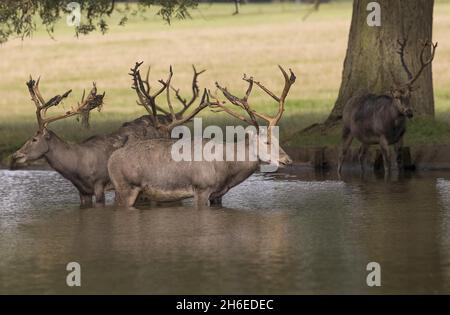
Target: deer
381 119
147 166
148 126
83 164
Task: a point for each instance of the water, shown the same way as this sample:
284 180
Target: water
297 232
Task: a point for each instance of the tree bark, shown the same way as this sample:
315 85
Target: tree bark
371 53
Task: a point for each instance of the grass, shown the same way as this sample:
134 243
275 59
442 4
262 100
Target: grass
254 41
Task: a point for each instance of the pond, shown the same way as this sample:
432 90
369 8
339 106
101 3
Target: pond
294 232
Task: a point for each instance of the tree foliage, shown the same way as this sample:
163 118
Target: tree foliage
18 17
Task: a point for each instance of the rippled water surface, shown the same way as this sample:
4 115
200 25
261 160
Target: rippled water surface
297 232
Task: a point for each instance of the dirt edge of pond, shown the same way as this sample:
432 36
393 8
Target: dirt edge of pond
421 157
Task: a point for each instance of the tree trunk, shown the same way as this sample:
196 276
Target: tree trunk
371 52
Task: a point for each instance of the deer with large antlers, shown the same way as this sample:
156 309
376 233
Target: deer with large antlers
159 121
84 164
149 166
381 119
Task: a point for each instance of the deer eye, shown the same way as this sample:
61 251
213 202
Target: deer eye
34 140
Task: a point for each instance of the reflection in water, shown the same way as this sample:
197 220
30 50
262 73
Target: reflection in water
296 232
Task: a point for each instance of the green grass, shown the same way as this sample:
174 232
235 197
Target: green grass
419 131
254 42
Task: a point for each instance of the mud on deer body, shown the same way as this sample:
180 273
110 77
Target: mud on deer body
147 166
381 119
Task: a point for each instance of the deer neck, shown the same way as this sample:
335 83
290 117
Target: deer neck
250 161
58 154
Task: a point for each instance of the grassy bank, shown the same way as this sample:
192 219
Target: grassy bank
254 42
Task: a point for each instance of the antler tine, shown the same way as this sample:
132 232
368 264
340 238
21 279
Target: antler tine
31 84
288 81
146 81
423 62
54 101
195 92
205 102
165 84
262 87
222 108
240 102
195 88
41 105
142 89
138 85
169 103
92 101
401 52
38 93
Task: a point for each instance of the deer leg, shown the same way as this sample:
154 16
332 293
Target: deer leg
99 192
384 146
347 139
85 200
127 196
362 155
398 148
201 198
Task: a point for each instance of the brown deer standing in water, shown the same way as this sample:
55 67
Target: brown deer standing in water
381 119
148 167
83 164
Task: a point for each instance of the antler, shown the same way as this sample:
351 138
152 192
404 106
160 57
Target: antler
195 93
243 102
149 101
424 62
84 107
179 120
240 102
401 52
142 88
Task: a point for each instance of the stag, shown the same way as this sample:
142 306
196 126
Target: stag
381 119
83 164
149 126
148 167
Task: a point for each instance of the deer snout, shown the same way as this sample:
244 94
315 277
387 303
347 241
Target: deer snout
286 161
18 157
14 160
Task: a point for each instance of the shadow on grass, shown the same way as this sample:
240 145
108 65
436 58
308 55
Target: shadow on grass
15 133
419 131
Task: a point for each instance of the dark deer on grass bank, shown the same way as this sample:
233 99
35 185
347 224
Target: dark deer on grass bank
154 125
381 119
148 166
83 164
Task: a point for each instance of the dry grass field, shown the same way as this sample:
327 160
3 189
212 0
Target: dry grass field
253 42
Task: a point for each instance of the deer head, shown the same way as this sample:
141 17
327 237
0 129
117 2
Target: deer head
401 93
38 145
264 136
163 119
